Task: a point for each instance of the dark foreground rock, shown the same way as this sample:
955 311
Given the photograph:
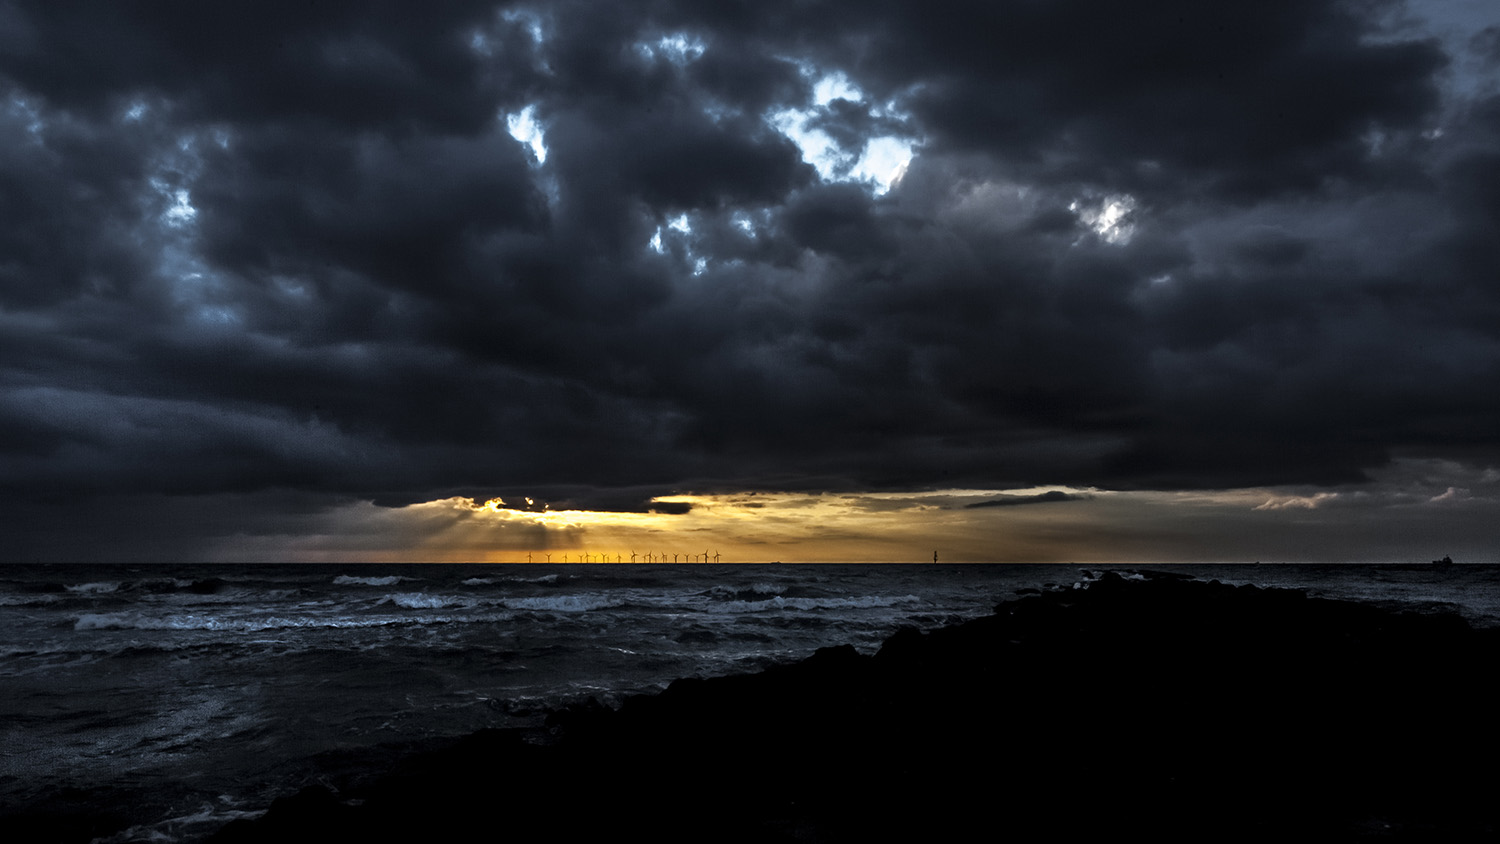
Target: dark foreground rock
1167 709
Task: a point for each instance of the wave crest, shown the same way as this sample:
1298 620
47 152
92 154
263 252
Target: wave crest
351 580
423 601
101 588
564 603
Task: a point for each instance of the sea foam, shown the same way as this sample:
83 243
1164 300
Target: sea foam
423 601
351 580
101 588
564 603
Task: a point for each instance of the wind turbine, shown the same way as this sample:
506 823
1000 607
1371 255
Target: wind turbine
716 556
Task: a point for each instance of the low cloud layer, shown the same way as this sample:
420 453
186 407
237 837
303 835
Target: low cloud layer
1050 497
267 259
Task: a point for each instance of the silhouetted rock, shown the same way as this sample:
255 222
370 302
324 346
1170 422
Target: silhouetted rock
206 586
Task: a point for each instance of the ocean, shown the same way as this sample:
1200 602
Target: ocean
187 696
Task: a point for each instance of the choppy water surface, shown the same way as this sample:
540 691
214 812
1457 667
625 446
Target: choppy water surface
202 688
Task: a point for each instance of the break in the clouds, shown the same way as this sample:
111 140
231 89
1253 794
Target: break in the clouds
261 261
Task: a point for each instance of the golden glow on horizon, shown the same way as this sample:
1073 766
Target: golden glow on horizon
750 526
1394 518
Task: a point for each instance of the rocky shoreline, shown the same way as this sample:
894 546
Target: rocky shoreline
1148 704
1144 703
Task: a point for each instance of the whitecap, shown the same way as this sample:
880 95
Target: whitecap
101 588
27 600
350 580
423 601
563 603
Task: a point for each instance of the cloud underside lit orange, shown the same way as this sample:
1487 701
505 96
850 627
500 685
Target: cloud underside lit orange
1405 516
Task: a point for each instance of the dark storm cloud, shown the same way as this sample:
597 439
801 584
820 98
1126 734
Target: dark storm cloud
264 249
1486 43
1017 500
1245 99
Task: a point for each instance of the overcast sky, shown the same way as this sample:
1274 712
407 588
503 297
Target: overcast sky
1014 280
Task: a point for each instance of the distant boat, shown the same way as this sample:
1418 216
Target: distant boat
1444 563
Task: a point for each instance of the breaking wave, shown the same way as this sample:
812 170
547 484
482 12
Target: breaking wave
423 601
27 600
752 592
101 588
564 603
351 580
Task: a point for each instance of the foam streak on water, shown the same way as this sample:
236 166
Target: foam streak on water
202 686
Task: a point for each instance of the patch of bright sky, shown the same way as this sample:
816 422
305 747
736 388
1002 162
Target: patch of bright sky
192 285
524 128
884 162
1109 218
482 43
683 225
174 176
743 222
182 211
678 48
818 149
881 163
195 289
528 18
836 86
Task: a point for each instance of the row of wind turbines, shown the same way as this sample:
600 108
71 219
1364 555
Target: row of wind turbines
648 557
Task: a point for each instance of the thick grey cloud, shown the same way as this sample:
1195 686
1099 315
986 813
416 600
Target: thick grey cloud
311 251
1017 500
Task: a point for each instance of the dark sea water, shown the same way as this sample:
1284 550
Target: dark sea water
191 695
